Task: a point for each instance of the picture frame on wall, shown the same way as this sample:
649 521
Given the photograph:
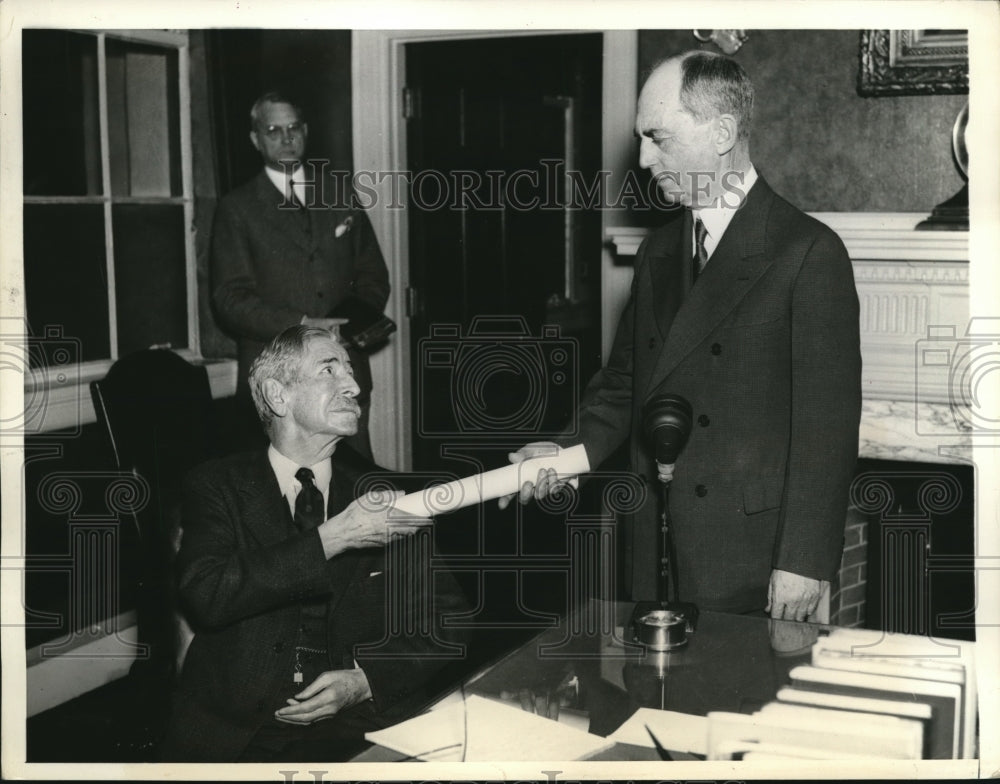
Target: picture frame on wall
913 62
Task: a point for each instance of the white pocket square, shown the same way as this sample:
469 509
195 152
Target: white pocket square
375 574
343 228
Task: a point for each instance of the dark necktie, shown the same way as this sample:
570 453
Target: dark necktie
293 197
309 510
301 211
700 258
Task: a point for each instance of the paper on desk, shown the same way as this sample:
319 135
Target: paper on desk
489 731
490 485
675 731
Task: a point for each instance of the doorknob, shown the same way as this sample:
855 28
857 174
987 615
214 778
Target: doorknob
414 303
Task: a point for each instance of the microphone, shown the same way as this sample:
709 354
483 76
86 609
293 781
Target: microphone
666 420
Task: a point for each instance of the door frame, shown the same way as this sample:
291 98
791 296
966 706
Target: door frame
378 73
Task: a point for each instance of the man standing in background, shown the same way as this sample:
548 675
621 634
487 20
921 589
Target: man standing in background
282 256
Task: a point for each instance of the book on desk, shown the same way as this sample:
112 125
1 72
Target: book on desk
866 693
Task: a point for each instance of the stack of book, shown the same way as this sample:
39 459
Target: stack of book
866 694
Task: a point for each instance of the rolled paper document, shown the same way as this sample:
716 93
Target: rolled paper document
489 485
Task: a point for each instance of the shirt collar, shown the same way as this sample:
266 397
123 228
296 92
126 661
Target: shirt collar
717 219
280 181
285 469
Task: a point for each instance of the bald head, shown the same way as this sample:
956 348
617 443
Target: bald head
661 94
707 85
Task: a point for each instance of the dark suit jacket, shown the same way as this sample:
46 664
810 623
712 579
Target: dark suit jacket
269 269
244 571
765 346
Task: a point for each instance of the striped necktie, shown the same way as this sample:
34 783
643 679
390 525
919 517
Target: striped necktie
700 258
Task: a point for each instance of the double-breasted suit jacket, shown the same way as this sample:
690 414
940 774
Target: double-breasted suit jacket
244 572
272 264
765 347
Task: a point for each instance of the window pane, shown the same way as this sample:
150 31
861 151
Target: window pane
150 276
65 275
62 147
143 119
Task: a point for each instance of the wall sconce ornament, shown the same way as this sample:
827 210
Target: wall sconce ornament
729 41
953 214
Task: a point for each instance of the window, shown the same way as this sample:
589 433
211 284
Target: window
108 243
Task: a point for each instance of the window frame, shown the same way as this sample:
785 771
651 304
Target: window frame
62 397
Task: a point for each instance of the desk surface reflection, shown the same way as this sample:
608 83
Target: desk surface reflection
591 667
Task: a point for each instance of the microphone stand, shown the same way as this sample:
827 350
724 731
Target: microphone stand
666 420
667 584
668 561
671 599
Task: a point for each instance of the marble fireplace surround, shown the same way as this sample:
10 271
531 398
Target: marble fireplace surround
913 288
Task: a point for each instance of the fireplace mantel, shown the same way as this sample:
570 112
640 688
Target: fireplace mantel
869 236
913 288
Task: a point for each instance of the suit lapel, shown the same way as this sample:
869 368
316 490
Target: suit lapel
270 200
732 270
670 277
265 510
268 520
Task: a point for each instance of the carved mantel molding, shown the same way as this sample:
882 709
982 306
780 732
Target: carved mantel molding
868 236
937 273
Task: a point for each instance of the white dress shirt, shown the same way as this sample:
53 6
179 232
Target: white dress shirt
718 218
280 181
284 471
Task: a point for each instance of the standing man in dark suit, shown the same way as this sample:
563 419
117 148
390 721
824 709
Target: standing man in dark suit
746 307
282 255
283 575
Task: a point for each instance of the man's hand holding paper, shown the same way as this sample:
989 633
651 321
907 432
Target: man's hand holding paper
370 521
547 480
547 464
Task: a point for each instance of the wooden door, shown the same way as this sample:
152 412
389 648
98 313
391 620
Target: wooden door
504 274
504 300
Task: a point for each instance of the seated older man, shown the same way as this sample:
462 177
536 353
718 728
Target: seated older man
283 575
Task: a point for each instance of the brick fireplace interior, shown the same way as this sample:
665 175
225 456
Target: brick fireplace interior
908 550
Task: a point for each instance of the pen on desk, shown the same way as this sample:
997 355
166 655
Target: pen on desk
664 754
